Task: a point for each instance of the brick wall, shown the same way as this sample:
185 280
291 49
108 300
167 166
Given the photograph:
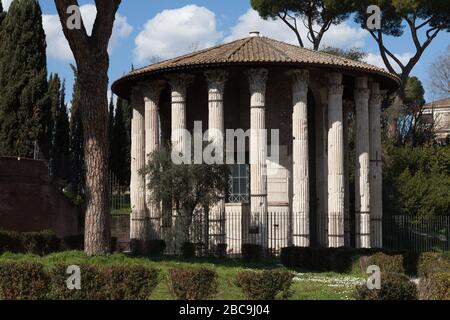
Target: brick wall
29 203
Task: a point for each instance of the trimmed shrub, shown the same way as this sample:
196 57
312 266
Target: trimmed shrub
155 248
105 283
40 243
73 243
432 262
23 281
94 284
193 284
252 253
221 250
131 282
265 285
387 263
188 250
137 247
10 242
394 287
436 286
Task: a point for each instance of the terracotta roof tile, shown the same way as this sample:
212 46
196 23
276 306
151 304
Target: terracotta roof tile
253 50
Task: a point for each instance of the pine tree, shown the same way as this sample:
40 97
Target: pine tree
76 141
24 109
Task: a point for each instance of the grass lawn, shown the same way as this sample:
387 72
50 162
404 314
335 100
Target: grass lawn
307 285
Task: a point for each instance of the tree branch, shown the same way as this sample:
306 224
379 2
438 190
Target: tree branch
293 27
77 38
383 51
104 22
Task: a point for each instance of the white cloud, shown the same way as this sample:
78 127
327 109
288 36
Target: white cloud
377 60
175 32
341 36
57 45
6 4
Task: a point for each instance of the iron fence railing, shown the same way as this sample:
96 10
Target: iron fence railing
416 235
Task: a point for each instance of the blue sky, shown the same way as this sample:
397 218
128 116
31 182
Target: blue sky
147 30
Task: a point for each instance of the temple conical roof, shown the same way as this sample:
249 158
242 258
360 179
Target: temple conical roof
254 51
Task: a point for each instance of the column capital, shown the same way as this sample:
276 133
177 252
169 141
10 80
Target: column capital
334 78
216 79
300 81
151 91
180 82
335 86
362 94
258 79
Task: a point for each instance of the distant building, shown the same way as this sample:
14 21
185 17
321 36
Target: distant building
439 113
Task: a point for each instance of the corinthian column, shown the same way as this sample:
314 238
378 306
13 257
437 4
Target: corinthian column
336 182
152 92
216 84
180 142
138 223
362 185
258 156
300 205
179 84
376 166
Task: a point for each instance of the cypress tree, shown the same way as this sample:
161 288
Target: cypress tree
2 13
24 109
121 142
61 140
76 141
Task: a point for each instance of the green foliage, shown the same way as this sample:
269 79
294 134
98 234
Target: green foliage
60 138
387 263
105 283
10 242
121 142
394 287
187 186
416 181
77 178
352 53
432 262
252 252
23 281
24 109
322 13
155 248
394 11
38 243
193 284
436 286
266 285
188 250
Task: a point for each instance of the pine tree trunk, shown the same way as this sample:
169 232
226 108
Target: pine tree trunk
95 117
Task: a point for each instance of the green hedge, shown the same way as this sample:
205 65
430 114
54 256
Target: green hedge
41 243
29 281
38 243
23 281
394 287
433 262
387 263
344 259
266 285
193 284
436 286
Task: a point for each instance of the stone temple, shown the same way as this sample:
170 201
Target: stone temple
258 83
